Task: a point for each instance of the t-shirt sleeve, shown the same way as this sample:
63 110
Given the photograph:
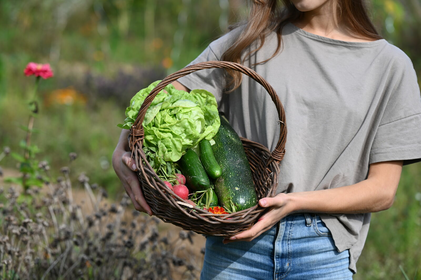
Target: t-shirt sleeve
211 80
398 136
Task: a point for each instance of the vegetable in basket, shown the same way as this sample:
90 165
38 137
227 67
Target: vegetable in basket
175 121
235 187
193 170
231 186
208 159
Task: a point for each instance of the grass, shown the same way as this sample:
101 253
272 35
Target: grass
394 239
62 129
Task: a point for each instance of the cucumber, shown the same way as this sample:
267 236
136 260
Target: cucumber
192 169
235 187
208 159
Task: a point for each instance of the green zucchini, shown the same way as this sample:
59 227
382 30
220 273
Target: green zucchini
208 159
192 169
235 187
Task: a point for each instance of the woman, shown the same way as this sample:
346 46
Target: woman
353 111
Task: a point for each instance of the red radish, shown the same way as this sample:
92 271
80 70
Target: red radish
182 191
180 178
168 184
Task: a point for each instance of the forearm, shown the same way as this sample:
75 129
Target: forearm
374 194
358 198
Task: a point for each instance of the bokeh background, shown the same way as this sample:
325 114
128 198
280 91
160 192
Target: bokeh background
103 51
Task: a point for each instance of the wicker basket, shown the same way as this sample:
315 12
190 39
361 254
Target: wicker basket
264 165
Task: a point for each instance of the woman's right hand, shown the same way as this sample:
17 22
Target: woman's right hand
125 167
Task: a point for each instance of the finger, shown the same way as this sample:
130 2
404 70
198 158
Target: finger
276 201
138 195
128 161
250 234
130 193
132 187
124 171
136 205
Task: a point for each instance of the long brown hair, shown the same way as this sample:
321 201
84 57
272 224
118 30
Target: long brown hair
268 16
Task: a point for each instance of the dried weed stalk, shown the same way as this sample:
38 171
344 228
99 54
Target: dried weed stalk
45 234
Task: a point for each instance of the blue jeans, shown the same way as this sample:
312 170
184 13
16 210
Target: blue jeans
298 247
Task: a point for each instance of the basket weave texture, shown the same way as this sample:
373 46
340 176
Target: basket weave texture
264 166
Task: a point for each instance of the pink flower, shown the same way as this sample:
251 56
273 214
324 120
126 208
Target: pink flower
39 70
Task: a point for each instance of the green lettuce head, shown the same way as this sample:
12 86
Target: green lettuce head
175 120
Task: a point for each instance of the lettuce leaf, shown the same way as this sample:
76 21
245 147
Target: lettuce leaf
175 120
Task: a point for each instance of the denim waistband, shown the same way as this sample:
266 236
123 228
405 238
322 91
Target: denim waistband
307 218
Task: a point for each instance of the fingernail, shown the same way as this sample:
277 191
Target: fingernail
134 167
263 202
233 238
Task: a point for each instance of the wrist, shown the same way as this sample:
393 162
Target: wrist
295 203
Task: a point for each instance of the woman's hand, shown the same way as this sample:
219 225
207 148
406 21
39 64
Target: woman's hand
280 207
374 194
124 167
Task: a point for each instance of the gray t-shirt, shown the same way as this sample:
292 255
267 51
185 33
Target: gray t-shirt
347 105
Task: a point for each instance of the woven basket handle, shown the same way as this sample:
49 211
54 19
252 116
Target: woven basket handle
277 154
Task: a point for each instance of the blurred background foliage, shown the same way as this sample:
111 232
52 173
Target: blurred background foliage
103 51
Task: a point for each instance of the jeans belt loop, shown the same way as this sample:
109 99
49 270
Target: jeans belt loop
308 219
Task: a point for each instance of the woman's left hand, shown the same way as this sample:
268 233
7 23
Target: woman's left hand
376 193
280 207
